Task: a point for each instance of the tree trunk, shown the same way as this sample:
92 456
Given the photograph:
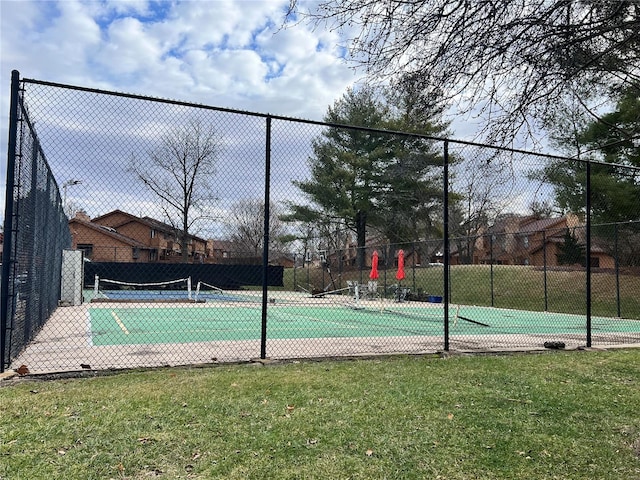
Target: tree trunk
185 246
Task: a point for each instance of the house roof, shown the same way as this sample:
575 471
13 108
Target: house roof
595 246
111 214
537 225
148 221
108 233
224 245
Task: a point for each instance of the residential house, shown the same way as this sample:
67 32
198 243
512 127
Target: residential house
221 250
527 240
122 237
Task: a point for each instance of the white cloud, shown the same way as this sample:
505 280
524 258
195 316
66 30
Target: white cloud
223 53
228 48
130 49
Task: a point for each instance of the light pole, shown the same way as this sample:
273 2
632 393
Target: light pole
68 183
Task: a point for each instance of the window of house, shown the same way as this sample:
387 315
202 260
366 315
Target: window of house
153 255
153 233
595 262
87 250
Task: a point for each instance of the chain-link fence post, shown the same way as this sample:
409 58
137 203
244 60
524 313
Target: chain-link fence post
588 251
7 247
447 249
266 243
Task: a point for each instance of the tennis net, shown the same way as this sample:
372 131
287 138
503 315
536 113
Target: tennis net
105 289
206 292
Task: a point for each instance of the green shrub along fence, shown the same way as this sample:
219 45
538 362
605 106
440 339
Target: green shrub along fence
317 239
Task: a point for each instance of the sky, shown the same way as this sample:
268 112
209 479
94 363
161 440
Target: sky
218 52
237 54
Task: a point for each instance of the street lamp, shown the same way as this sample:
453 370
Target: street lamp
68 183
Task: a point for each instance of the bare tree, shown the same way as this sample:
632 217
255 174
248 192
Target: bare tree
246 226
179 172
513 61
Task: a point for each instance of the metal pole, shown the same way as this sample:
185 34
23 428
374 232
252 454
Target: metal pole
588 253
294 272
544 270
386 266
413 268
617 264
491 269
445 201
265 247
7 247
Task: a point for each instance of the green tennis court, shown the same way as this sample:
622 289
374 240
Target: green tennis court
127 325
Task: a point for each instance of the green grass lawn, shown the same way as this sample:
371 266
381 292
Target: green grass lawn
555 415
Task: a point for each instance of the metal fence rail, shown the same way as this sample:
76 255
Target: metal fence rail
210 234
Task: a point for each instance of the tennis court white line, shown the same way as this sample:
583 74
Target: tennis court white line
89 331
119 322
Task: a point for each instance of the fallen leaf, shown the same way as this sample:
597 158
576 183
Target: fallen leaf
450 416
22 370
369 452
290 408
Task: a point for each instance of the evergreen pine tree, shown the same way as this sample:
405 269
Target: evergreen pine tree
570 251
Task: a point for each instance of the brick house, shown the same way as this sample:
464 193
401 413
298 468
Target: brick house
122 237
518 240
221 250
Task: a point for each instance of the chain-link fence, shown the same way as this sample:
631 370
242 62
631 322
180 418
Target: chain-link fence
208 234
35 234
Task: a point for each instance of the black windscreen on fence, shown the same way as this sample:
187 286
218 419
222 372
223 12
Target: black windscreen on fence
194 234
226 277
38 233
